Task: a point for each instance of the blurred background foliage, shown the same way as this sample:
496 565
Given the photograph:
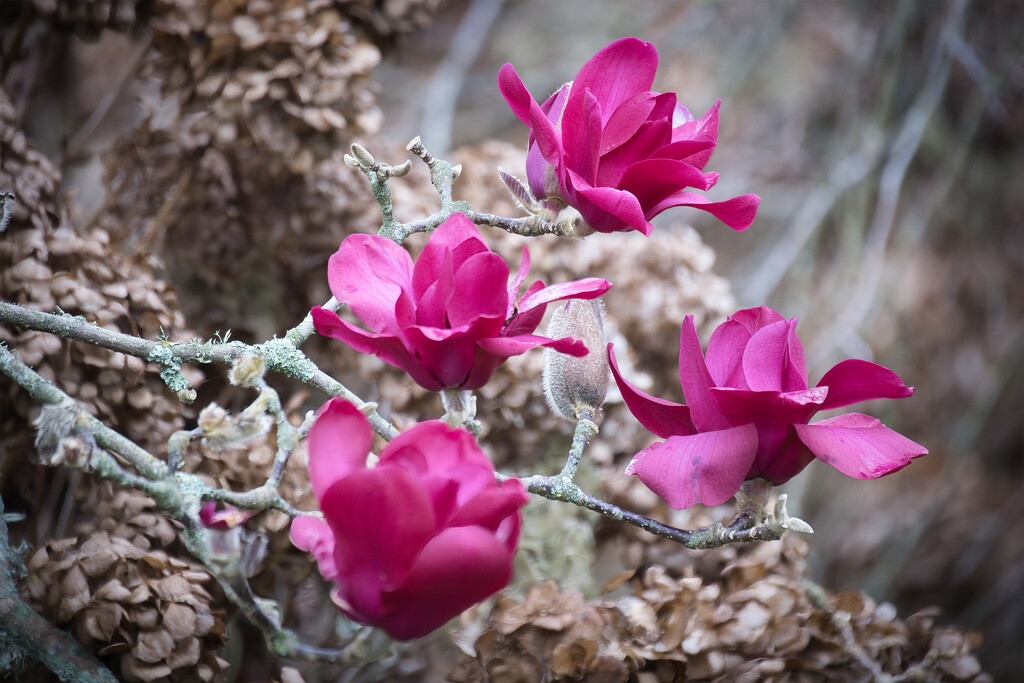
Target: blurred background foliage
199 144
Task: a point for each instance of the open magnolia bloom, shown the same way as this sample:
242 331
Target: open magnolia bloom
418 538
747 414
617 151
452 318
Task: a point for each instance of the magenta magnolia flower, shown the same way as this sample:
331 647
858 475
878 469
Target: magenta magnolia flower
450 320
418 538
747 411
618 152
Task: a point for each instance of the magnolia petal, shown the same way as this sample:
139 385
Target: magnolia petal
652 180
456 240
339 442
618 72
434 448
490 507
616 164
704 129
388 348
513 346
660 417
706 468
314 535
381 519
517 282
481 290
458 568
772 413
446 355
696 381
607 209
738 213
586 288
515 93
626 120
859 446
852 381
581 134
369 274
773 359
433 302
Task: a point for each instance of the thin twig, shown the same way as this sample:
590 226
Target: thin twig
281 354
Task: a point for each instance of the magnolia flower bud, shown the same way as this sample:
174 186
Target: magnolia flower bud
574 386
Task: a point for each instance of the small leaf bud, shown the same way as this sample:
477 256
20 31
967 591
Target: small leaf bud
574 386
248 371
359 152
220 429
401 170
456 171
351 161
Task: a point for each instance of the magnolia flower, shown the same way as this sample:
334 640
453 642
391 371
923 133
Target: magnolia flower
452 318
747 412
418 538
618 152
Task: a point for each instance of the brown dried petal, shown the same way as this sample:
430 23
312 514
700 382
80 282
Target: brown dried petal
74 593
186 653
179 620
153 646
100 620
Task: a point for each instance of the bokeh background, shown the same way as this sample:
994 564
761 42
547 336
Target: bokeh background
203 140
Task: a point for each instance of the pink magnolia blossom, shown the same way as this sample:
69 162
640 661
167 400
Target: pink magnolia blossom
747 412
452 318
617 151
418 538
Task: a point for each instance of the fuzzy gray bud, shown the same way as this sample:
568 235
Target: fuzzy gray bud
574 386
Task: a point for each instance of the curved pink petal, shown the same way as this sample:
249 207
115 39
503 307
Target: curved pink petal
853 381
706 468
458 568
435 448
684 150
314 535
696 381
652 180
586 288
618 72
625 121
607 209
513 346
388 348
446 355
725 354
433 302
859 446
526 323
738 213
658 416
339 442
517 282
457 240
773 359
370 274
515 93
772 413
581 134
489 508
616 165
381 520
481 290
704 129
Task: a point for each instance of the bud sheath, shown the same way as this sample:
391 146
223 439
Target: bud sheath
574 386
